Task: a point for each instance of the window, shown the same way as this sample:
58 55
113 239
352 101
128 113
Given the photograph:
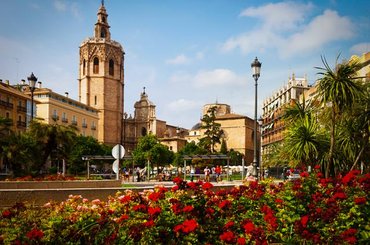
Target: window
96 65
95 100
102 34
111 67
143 131
103 19
84 67
7 115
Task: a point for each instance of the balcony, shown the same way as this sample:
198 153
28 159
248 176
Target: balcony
93 127
55 117
84 125
21 109
21 124
74 123
65 120
6 104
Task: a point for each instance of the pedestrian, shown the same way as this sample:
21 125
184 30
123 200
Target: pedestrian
207 172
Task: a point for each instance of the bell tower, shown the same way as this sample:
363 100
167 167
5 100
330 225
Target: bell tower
101 79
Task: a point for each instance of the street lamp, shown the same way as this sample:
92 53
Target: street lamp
32 83
256 69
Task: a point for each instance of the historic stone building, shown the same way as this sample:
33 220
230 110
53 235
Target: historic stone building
14 105
101 79
237 130
272 124
146 122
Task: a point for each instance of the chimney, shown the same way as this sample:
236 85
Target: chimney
7 82
66 93
1 80
39 84
23 82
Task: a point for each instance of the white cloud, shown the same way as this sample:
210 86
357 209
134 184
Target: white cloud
60 5
217 77
178 60
199 55
360 48
320 31
183 105
285 28
283 15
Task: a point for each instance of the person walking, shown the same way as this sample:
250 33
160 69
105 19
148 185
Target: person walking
207 172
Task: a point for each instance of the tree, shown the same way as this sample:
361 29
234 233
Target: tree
339 89
85 145
150 149
56 141
190 149
213 131
305 142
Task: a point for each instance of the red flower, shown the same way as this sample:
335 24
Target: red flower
149 223
207 186
154 196
35 234
227 236
176 208
304 220
241 241
349 236
224 204
278 201
249 227
317 166
188 209
139 207
229 225
124 199
192 185
189 225
177 180
175 188
340 195
122 218
304 174
6 214
351 175
360 200
154 211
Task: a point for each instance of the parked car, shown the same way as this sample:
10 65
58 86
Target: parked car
293 175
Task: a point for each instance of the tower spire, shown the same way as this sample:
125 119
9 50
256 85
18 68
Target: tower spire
102 26
102 2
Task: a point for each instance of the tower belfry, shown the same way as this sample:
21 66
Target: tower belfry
101 78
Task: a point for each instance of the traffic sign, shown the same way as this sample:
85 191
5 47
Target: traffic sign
118 151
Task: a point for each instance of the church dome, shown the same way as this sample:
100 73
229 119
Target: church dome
196 126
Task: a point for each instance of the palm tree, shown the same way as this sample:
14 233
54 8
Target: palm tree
305 141
56 140
338 88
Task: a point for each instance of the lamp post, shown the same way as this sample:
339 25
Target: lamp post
256 69
32 83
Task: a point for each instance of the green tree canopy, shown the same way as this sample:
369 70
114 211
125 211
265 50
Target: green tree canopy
213 131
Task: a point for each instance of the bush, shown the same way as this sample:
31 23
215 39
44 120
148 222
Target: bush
310 210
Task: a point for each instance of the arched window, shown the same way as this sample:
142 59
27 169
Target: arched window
143 131
103 19
102 33
96 65
111 67
84 67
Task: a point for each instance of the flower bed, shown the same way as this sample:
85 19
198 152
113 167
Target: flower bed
310 210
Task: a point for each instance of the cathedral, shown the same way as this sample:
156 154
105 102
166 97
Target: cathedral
101 86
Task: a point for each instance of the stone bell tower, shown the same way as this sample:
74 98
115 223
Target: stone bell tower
101 79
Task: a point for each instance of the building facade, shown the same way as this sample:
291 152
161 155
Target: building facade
237 130
101 79
272 124
14 105
146 122
54 108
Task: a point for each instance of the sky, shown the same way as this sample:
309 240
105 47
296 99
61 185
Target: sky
186 53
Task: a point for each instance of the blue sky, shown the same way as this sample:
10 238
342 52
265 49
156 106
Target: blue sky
186 53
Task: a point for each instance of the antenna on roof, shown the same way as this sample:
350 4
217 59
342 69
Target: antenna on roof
102 2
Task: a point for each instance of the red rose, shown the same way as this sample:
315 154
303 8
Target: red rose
224 203
154 211
154 196
304 221
241 241
207 186
189 225
360 200
249 227
304 174
229 225
177 180
35 234
149 223
6 214
188 209
227 236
